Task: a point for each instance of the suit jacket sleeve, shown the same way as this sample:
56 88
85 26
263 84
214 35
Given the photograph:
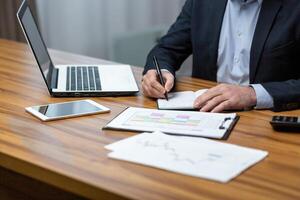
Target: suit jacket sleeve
176 46
286 94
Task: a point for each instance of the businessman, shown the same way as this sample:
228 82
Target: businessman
250 47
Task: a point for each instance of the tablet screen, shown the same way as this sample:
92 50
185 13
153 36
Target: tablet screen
66 109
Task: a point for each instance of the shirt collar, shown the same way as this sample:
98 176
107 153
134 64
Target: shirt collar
248 1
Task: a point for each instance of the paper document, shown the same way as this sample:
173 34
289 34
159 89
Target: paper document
212 125
180 100
196 157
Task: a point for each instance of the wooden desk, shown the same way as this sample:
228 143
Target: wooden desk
70 154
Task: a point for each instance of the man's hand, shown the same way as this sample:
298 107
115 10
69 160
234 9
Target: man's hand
152 86
226 97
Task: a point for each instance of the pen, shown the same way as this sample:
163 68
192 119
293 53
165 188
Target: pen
158 70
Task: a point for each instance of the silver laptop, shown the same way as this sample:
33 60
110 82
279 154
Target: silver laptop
75 80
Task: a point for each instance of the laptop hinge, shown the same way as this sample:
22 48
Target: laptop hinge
54 78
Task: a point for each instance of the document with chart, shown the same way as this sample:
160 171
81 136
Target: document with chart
188 123
191 156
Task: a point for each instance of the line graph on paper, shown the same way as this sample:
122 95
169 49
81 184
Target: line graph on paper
179 154
195 157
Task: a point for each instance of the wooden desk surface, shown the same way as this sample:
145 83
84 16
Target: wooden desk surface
70 154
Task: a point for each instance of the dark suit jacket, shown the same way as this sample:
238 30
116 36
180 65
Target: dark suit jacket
275 53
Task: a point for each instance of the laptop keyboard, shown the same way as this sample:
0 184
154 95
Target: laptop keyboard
83 78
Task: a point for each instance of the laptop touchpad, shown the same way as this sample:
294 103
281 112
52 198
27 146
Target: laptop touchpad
117 78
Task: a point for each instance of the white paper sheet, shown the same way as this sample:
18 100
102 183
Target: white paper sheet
175 122
196 157
180 100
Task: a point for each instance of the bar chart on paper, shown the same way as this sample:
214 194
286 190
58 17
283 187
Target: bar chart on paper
174 122
162 120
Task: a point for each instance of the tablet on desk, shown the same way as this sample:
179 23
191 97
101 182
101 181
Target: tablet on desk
66 110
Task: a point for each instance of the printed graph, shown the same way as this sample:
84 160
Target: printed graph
174 153
154 118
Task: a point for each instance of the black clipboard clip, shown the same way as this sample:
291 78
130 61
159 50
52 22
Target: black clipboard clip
230 128
222 126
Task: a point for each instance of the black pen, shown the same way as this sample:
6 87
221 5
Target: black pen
160 75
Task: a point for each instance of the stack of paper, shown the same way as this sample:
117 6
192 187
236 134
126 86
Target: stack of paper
196 157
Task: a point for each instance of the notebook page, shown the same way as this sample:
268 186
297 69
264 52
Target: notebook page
200 92
178 100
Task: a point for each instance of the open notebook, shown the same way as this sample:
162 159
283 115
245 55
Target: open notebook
180 100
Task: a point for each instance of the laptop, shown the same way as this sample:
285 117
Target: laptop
75 80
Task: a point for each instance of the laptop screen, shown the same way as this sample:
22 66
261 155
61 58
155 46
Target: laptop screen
36 42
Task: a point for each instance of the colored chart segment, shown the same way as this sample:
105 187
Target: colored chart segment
164 119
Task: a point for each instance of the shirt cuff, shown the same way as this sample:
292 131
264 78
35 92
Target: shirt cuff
165 70
264 99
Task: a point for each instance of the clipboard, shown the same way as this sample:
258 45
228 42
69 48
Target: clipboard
225 136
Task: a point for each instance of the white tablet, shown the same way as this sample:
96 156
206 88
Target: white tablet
66 110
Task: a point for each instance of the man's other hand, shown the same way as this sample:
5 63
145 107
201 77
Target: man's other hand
153 88
226 97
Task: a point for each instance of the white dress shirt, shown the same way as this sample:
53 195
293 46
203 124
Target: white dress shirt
235 43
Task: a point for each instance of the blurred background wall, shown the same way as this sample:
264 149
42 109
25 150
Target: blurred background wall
118 30
9 26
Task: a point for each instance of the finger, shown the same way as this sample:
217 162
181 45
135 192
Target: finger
150 92
146 90
213 103
204 98
152 74
222 107
156 89
156 94
153 92
169 78
151 82
145 84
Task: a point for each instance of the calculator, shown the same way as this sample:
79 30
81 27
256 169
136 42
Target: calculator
286 123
